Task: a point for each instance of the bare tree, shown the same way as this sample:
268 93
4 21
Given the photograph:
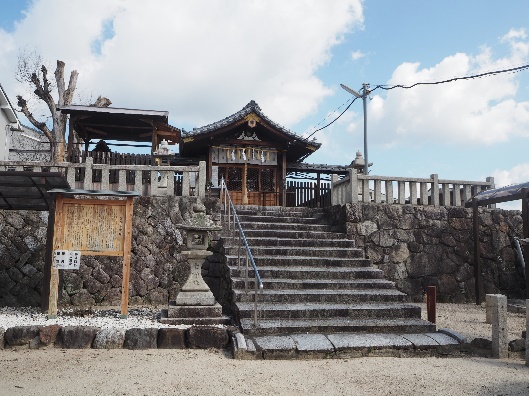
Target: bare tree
33 71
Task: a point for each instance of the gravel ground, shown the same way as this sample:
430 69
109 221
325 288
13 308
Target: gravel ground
198 372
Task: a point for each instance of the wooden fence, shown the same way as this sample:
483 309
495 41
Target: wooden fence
307 194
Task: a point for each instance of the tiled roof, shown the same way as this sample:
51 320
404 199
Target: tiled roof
251 107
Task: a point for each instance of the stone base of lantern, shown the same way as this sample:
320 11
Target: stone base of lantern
195 304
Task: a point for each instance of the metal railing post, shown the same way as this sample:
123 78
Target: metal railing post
255 302
239 252
246 278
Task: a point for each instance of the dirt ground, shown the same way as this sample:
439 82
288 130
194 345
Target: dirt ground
200 372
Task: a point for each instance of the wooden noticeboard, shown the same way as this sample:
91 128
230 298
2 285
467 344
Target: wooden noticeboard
94 227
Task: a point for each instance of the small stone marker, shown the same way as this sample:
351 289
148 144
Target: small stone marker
500 337
488 308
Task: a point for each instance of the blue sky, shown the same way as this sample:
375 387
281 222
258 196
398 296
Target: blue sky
205 60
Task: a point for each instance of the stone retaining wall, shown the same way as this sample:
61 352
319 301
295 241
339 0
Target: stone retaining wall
158 269
419 246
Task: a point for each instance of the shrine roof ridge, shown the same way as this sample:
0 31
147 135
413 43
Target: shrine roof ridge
252 106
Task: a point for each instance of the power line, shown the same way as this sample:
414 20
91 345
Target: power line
390 87
333 121
491 73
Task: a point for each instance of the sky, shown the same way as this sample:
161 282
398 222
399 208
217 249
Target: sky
203 60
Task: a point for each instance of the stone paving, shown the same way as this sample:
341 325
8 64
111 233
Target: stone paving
341 345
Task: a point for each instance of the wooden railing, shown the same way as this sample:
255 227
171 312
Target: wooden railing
400 190
145 179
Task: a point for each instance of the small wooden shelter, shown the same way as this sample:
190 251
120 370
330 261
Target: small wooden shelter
110 123
250 152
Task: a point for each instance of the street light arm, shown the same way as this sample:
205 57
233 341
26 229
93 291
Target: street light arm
351 91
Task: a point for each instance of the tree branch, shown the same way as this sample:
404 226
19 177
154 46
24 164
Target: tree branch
23 104
68 94
59 78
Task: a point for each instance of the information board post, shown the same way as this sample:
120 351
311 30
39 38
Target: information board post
94 227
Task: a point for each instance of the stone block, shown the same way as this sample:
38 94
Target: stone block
368 341
76 337
112 338
138 338
21 335
500 334
2 338
48 334
276 347
316 343
517 345
204 337
421 341
481 343
172 338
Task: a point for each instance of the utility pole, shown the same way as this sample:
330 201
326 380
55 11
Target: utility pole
365 93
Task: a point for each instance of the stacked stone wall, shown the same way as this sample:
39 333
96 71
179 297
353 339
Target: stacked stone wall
419 246
158 269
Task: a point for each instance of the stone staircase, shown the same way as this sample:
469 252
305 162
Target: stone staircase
316 282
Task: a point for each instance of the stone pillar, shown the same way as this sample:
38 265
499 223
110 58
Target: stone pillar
527 333
488 308
500 336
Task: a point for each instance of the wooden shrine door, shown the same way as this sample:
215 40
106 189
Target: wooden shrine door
257 185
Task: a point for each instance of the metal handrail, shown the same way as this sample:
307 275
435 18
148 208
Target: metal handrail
242 238
519 250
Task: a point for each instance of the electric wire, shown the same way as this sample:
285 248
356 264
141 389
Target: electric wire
390 87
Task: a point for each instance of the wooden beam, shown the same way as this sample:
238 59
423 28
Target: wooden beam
126 258
477 259
45 296
58 237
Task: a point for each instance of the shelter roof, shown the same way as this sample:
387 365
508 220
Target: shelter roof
21 190
499 195
7 107
112 123
298 147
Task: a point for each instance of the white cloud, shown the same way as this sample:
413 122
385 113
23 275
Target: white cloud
200 60
516 175
481 111
357 55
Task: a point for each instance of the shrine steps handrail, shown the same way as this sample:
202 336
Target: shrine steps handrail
226 198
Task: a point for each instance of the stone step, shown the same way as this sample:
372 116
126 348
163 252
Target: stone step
267 272
251 225
308 242
193 311
285 234
329 310
322 296
276 210
347 345
299 261
335 325
315 284
294 252
277 219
